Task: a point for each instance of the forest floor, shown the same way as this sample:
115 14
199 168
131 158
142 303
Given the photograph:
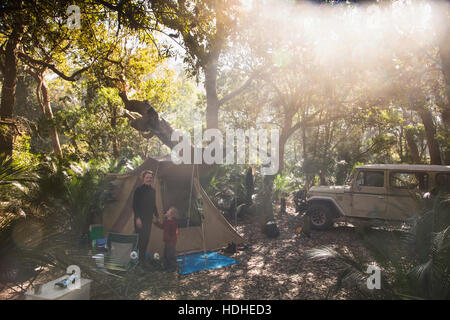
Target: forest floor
274 269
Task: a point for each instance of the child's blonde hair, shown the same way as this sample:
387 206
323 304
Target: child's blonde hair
174 212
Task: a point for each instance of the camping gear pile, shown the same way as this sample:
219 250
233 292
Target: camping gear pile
271 230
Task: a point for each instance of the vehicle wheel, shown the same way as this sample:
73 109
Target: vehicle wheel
320 217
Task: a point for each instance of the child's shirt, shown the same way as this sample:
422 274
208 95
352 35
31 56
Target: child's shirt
170 228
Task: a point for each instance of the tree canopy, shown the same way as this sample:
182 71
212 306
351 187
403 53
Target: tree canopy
344 82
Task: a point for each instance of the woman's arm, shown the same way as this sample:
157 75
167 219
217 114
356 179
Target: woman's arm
157 223
136 199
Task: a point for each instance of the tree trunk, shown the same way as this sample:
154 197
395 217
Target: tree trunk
412 146
430 131
115 142
322 180
282 147
400 144
305 158
212 100
9 88
265 198
49 115
446 121
43 98
249 186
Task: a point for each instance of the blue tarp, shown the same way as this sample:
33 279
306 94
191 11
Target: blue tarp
196 262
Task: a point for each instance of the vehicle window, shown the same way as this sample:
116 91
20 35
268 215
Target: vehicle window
409 180
443 182
370 179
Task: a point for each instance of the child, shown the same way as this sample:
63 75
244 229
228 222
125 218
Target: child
170 227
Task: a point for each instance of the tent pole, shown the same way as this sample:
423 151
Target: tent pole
203 226
235 202
162 200
189 211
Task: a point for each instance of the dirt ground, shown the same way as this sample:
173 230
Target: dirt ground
274 269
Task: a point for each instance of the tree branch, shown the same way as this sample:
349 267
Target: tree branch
306 123
12 124
238 91
52 67
2 50
150 123
38 77
367 150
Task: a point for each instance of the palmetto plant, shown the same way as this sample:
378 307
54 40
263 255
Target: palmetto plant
227 185
414 265
431 241
59 203
15 179
12 173
72 193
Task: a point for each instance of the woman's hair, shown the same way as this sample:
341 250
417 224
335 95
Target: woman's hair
146 172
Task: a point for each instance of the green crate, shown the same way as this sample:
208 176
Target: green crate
95 232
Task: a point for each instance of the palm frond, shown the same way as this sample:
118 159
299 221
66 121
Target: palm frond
11 172
342 276
441 241
321 253
354 273
327 253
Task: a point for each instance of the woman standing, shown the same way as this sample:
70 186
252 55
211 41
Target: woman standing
144 207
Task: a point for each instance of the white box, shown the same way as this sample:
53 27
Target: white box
50 292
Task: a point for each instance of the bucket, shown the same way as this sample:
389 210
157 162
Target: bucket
99 260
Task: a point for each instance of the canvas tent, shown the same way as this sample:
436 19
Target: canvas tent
176 185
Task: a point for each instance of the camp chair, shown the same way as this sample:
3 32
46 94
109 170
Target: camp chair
120 246
118 261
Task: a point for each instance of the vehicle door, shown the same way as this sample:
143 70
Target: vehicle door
405 193
441 185
369 194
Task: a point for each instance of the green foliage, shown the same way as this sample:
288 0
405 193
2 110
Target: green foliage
53 205
22 152
12 172
73 193
284 185
4 129
226 179
227 186
204 27
15 179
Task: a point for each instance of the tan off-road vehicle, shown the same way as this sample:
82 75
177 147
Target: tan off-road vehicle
378 194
